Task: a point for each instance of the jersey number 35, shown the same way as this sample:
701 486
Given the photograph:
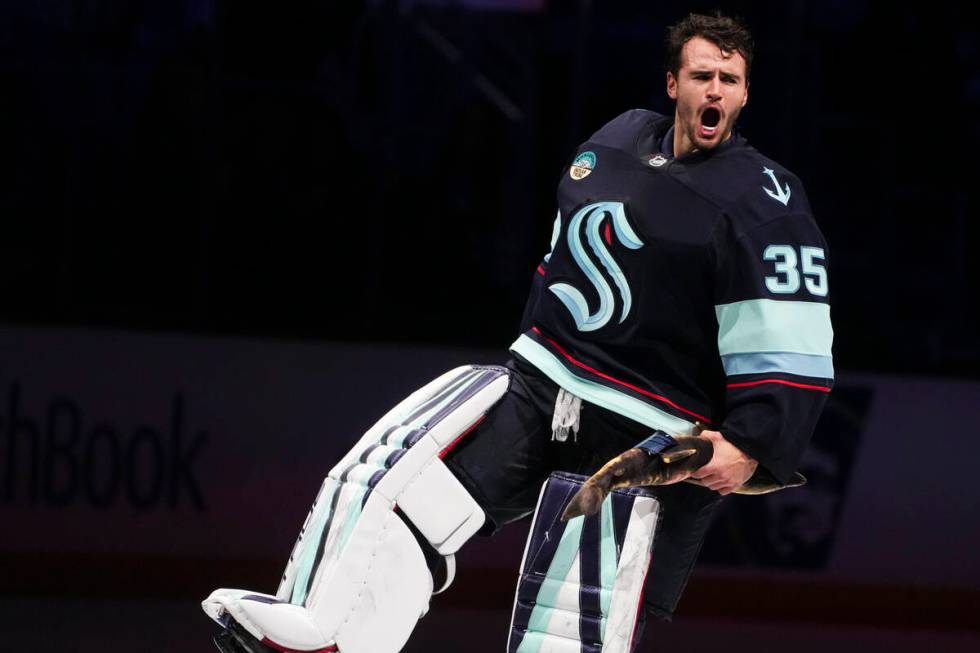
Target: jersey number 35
787 279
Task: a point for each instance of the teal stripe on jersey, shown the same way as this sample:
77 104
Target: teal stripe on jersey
759 363
766 325
599 394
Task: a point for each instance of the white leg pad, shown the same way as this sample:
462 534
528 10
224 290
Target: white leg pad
262 613
582 581
357 581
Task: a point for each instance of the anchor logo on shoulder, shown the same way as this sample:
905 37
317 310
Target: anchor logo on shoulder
780 194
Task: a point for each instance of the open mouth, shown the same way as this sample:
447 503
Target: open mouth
710 119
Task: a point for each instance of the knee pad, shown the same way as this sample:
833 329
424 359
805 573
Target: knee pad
581 583
357 580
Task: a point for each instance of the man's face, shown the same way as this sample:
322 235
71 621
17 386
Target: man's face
710 90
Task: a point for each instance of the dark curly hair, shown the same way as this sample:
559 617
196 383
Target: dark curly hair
729 34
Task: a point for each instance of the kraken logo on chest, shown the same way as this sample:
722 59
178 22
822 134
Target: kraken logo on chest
594 215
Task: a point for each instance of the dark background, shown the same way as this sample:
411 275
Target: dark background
330 169
342 171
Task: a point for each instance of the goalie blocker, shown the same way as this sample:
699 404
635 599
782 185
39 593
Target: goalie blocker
358 578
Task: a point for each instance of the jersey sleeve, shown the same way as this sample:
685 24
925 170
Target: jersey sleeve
774 336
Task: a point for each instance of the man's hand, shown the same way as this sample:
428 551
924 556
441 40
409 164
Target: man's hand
728 468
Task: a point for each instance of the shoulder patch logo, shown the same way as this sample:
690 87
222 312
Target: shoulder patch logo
582 166
657 161
780 194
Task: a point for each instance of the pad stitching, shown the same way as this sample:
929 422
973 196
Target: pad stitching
374 554
377 542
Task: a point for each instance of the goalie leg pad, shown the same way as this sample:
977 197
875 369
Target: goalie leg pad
581 581
357 580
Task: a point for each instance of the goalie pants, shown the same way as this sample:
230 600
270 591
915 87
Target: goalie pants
508 456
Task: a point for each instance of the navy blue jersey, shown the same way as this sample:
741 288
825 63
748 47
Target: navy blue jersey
686 289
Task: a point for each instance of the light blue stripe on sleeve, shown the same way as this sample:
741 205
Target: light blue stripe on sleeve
789 363
758 326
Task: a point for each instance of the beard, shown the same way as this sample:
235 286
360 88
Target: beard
707 143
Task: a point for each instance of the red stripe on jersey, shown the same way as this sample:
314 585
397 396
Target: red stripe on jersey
615 380
608 235
541 270
805 386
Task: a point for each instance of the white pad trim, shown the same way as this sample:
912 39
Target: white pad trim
457 516
634 561
260 613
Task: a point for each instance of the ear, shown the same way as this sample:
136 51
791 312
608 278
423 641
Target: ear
745 98
671 85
